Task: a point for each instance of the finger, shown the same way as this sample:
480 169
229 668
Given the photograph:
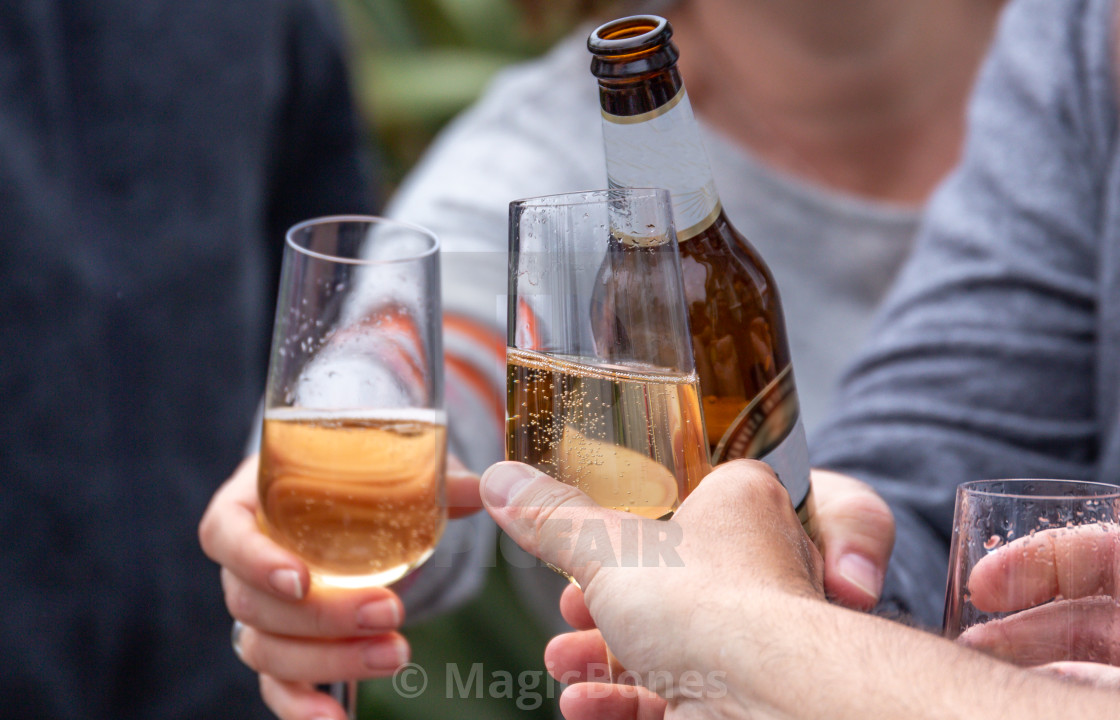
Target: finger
854 530
290 659
743 499
545 517
574 610
1084 629
231 537
1091 673
462 489
324 613
578 657
1067 562
601 701
736 492
298 701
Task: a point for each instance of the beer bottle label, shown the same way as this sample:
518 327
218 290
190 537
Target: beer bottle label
662 148
770 429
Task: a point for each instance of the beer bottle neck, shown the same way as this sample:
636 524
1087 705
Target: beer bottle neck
652 140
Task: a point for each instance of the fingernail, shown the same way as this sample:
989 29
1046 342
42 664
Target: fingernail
862 573
286 582
502 481
379 615
384 655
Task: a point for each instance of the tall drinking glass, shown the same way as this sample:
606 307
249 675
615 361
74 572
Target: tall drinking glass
1033 570
354 439
603 392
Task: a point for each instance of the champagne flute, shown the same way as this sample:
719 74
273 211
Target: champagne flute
353 444
603 392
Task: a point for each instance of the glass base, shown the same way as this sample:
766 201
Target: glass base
377 579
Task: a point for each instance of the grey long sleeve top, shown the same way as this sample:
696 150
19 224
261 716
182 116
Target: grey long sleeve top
997 353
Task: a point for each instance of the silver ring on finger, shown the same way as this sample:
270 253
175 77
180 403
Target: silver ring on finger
235 638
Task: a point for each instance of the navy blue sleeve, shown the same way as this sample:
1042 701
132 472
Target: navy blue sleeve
322 165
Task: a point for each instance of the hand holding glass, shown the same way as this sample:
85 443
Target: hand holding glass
354 439
602 387
1033 571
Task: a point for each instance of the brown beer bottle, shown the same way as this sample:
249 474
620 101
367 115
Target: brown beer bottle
738 332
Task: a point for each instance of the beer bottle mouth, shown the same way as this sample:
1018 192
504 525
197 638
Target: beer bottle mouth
629 34
631 45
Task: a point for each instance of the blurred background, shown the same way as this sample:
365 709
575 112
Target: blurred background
415 64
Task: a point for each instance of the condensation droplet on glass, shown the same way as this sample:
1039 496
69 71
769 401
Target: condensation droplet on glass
993 542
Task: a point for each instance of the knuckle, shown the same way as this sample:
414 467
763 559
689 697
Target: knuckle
207 532
742 467
872 514
745 476
774 491
282 698
239 600
267 655
540 511
248 648
268 689
322 621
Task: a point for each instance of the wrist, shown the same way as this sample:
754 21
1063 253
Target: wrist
772 642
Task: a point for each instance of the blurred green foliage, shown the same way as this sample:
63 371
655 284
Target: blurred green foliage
485 661
416 63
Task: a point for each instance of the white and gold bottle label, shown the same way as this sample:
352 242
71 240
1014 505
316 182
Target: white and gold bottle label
662 148
770 429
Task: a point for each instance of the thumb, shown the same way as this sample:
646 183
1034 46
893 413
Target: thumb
553 521
855 534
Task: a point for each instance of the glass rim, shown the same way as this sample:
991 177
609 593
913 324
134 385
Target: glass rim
1090 488
585 197
289 238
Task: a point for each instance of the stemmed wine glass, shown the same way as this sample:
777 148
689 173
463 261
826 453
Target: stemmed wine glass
602 387
353 443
